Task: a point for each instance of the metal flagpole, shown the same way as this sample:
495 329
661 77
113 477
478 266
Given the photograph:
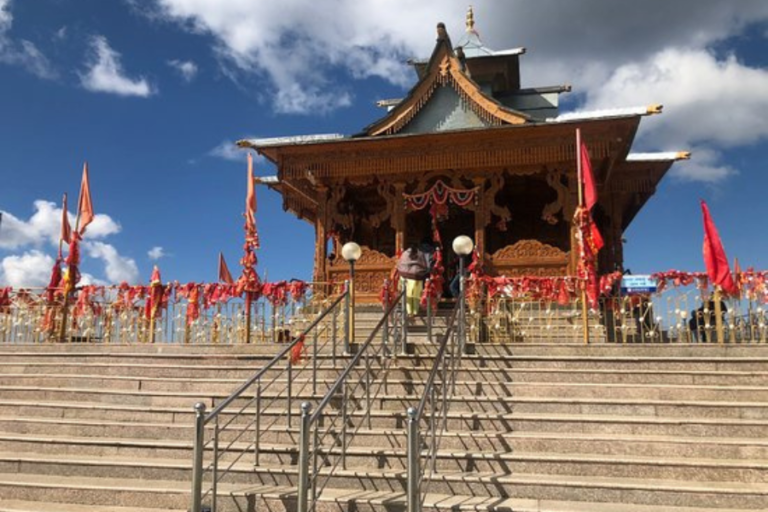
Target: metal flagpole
584 311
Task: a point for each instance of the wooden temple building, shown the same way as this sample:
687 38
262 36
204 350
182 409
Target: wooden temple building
471 151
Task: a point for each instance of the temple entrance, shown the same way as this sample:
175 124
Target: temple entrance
453 221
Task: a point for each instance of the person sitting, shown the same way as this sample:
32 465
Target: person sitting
413 267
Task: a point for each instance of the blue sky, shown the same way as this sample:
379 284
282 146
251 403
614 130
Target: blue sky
153 92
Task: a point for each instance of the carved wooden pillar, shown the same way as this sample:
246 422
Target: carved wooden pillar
398 217
482 212
321 233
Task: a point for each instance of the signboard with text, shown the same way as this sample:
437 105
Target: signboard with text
637 284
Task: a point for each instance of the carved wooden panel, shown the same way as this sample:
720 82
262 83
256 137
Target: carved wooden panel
530 257
371 270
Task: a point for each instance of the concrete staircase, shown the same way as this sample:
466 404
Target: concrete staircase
532 427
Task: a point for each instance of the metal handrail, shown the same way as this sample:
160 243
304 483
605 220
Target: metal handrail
416 473
203 420
310 480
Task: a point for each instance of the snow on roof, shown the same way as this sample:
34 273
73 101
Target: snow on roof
296 139
605 114
663 156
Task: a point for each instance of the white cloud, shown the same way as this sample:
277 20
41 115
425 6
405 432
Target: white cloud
41 231
116 267
186 68
44 226
156 253
22 53
30 269
105 73
61 34
228 150
711 104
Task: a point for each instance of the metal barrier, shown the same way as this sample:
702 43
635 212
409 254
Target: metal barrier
676 315
243 415
433 407
30 316
326 437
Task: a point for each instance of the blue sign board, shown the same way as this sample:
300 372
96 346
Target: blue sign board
637 284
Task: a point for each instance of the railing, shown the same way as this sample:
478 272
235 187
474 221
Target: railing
109 316
246 414
676 315
325 437
433 410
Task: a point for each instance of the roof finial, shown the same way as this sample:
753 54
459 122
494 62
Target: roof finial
470 20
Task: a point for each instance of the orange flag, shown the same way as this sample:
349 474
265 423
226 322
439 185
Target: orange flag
250 198
224 274
84 204
66 229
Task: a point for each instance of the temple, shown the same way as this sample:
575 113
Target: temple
469 151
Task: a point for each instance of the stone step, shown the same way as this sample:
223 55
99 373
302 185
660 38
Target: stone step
396 385
641 491
30 453
404 368
381 464
127 437
594 403
282 499
38 506
130 493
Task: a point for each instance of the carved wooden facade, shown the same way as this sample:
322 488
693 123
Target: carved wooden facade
522 171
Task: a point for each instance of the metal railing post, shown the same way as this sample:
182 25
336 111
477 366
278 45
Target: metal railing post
257 426
414 449
404 324
303 487
214 479
290 392
429 314
385 337
197 460
347 325
314 362
462 306
335 337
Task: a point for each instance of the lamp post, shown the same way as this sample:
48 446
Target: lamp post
462 246
351 252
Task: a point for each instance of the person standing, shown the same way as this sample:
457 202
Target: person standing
413 267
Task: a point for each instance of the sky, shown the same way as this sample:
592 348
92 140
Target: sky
153 94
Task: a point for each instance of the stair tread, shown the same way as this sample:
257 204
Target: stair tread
395 500
40 506
519 434
517 456
82 482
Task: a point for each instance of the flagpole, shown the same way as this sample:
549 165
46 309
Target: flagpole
584 310
67 290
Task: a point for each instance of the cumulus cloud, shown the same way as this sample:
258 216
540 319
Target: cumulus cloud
116 267
105 73
614 54
156 253
40 231
44 226
22 53
186 68
30 269
694 85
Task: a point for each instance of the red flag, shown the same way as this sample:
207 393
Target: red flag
224 274
714 255
84 204
737 277
155 300
590 188
66 229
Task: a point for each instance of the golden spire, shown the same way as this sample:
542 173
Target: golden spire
470 20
